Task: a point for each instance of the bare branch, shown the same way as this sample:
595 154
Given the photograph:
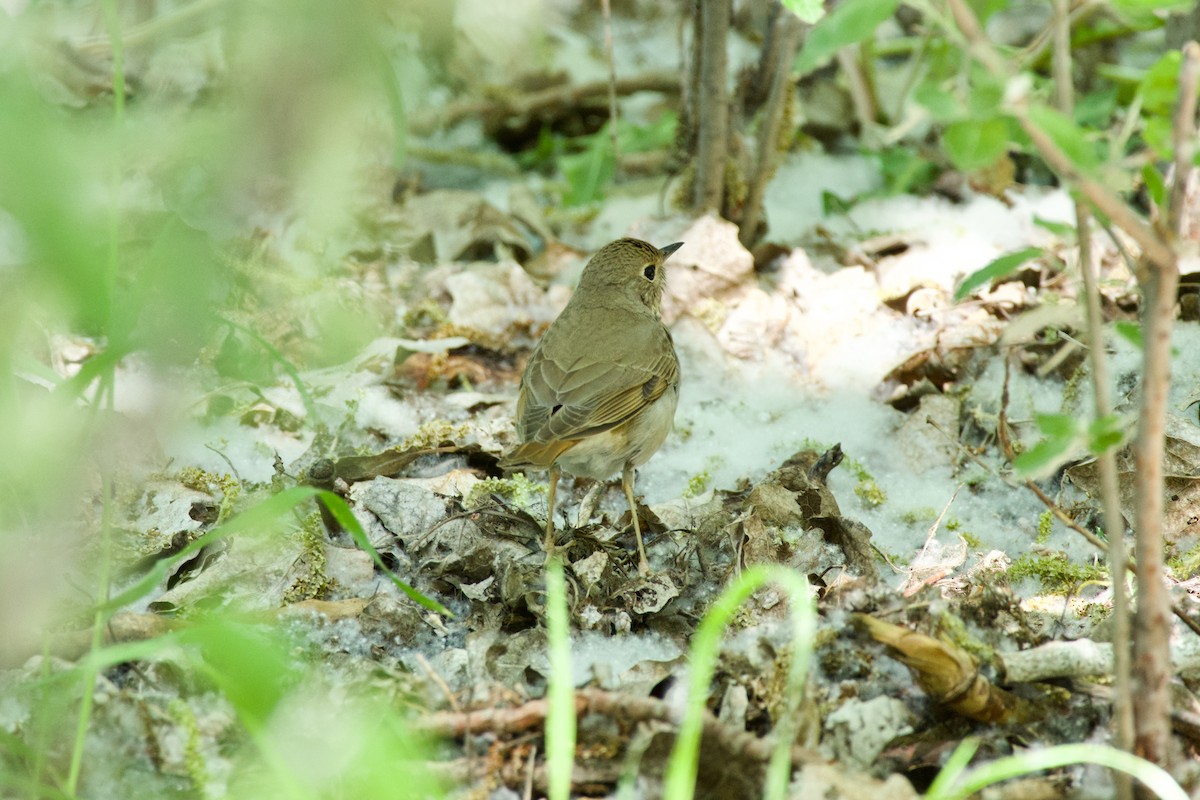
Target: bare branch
785 38
1114 523
712 104
606 10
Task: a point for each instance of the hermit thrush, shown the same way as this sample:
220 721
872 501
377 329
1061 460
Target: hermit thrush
598 395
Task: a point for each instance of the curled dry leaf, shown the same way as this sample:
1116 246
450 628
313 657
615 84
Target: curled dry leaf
796 495
948 674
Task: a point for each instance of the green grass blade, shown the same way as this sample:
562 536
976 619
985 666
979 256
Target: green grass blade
560 718
1151 775
680 781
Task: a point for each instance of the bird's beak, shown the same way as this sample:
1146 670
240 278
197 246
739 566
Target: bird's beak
671 248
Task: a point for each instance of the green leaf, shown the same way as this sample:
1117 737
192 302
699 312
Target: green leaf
589 172
905 170
560 693
849 22
807 10
986 94
1106 433
1069 137
1096 109
1002 266
656 135
250 664
1057 425
986 8
832 205
1043 457
1062 229
942 104
1130 332
256 519
1150 6
974 145
1159 134
1159 87
1156 187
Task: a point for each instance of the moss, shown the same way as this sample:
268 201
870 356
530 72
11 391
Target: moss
1071 387
971 539
685 185
869 492
916 515
1045 526
1054 571
313 584
517 490
698 484
953 630
1185 565
193 759
976 478
736 187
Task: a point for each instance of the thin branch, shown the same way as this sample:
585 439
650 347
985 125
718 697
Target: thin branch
627 708
866 111
1151 647
711 117
784 41
540 101
1114 523
606 12
1184 135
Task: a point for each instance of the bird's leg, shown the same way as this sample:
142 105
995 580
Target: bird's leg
554 473
627 485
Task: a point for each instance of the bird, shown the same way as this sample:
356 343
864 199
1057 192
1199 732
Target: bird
598 395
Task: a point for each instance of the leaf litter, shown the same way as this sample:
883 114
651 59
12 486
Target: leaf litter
839 420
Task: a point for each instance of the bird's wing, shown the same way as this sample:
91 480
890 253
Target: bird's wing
567 402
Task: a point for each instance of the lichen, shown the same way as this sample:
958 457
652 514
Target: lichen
517 490
210 483
425 314
435 432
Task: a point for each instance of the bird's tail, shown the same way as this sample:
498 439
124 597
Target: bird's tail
535 455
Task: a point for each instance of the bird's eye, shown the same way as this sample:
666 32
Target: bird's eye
649 272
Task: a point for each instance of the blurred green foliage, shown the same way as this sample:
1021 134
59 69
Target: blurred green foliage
146 204
587 163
